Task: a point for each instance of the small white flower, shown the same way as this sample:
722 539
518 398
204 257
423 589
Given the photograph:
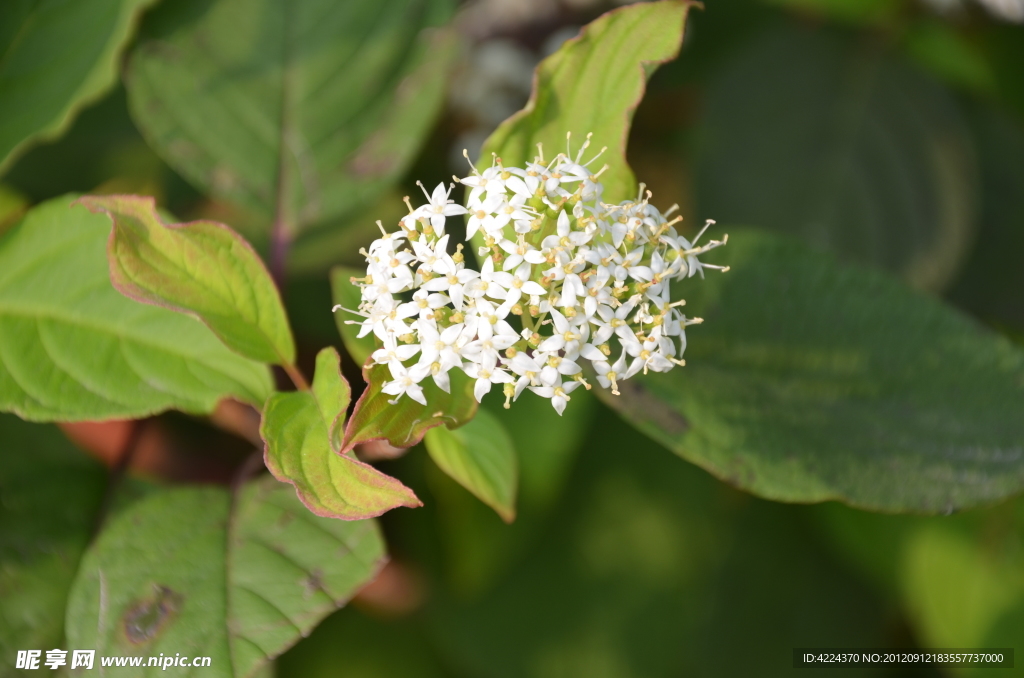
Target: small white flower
574 280
439 207
406 382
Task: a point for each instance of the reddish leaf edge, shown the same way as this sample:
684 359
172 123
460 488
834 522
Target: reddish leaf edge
531 103
412 502
149 203
349 441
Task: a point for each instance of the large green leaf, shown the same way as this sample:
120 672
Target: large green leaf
348 296
302 431
55 57
73 348
195 572
202 268
404 423
480 456
593 84
49 498
811 381
301 111
853 150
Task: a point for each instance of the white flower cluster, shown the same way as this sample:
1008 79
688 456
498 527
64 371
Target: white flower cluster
582 279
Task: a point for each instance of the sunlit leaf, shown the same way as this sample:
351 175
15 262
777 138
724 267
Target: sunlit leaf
72 348
51 495
302 431
481 457
594 84
301 111
404 423
853 150
348 296
202 268
190 571
56 57
811 381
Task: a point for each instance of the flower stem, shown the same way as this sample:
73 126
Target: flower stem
296 376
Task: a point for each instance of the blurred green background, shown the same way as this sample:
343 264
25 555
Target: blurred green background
889 132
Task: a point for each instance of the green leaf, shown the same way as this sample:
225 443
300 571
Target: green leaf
481 457
201 268
301 111
594 84
349 296
192 571
55 58
50 495
302 431
812 381
854 150
72 348
404 423
478 548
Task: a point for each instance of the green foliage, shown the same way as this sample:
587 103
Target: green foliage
201 268
49 498
651 568
272 115
74 349
812 381
195 572
56 57
302 431
478 547
404 423
868 141
588 86
349 296
480 456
